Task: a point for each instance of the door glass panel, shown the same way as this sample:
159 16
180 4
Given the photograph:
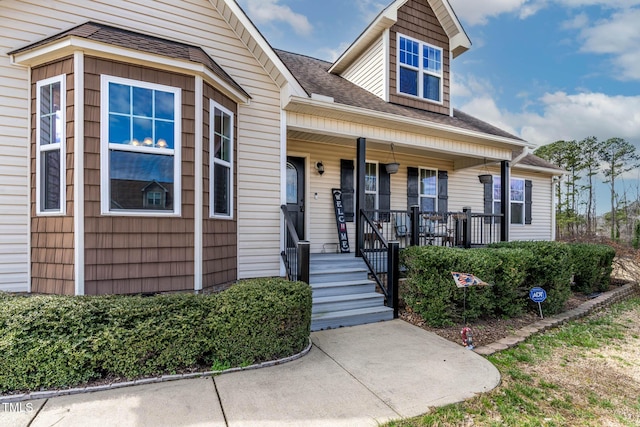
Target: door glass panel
292 184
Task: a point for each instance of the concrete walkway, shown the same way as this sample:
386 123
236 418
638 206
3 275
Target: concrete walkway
357 376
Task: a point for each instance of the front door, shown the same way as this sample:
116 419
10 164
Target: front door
295 193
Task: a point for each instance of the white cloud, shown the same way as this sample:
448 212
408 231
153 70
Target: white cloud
566 116
371 8
475 12
270 11
618 36
578 22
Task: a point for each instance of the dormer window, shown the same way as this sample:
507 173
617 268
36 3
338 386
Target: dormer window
419 69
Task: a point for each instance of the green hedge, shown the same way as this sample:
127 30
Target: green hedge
551 270
592 266
57 341
432 293
512 267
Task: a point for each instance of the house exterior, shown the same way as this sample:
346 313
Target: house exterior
148 147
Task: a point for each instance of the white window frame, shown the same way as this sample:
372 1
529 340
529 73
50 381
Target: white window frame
105 146
420 69
213 161
376 193
511 201
56 146
421 195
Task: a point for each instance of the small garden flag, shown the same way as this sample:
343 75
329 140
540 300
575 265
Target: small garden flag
465 280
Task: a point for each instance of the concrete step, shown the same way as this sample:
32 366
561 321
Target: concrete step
328 289
346 302
360 316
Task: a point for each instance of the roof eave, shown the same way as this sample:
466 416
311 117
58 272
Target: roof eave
553 172
385 20
70 44
402 122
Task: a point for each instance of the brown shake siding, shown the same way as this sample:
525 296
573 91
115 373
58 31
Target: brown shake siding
127 254
52 243
411 22
220 246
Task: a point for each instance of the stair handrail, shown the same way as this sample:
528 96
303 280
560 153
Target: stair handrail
295 253
379 245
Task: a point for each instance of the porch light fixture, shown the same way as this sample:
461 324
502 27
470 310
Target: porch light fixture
392 167
320 167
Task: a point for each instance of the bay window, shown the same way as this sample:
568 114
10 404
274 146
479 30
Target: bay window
140 148
50 145
221 162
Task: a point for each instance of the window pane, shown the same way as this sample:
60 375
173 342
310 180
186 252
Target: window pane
409 52
164 105
221 189
370 202
427 204
143 131
432 59
119 129
432 87
428 182
292 184
517 213
408 81
371 178
517 190
165 134
119 98
50 176
497 188
142 102
133 175
51 125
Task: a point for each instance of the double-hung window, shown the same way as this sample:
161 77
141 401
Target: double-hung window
516 199
419 69
428 190
371 187
221 162
140 149
50 145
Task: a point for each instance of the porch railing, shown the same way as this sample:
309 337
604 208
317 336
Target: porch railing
295 254
382 258
462 229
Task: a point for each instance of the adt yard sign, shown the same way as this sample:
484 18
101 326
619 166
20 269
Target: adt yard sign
538 295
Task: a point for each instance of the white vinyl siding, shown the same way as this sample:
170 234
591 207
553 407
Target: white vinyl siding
195 22
14 153
368 71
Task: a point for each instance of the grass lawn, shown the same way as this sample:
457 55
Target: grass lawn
584 373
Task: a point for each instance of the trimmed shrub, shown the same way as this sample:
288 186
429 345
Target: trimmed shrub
550 269
592 266
59 341
432 293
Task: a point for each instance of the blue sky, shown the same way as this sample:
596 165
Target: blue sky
542 69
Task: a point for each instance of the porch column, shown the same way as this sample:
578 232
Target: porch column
361 160
505 199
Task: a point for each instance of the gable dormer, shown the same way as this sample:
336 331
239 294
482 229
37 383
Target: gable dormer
404 55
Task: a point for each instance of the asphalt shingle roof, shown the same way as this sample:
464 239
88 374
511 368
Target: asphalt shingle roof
314 77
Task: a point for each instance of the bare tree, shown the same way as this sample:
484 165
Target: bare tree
591 164
620 157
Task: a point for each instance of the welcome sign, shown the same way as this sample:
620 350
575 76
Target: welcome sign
343 237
